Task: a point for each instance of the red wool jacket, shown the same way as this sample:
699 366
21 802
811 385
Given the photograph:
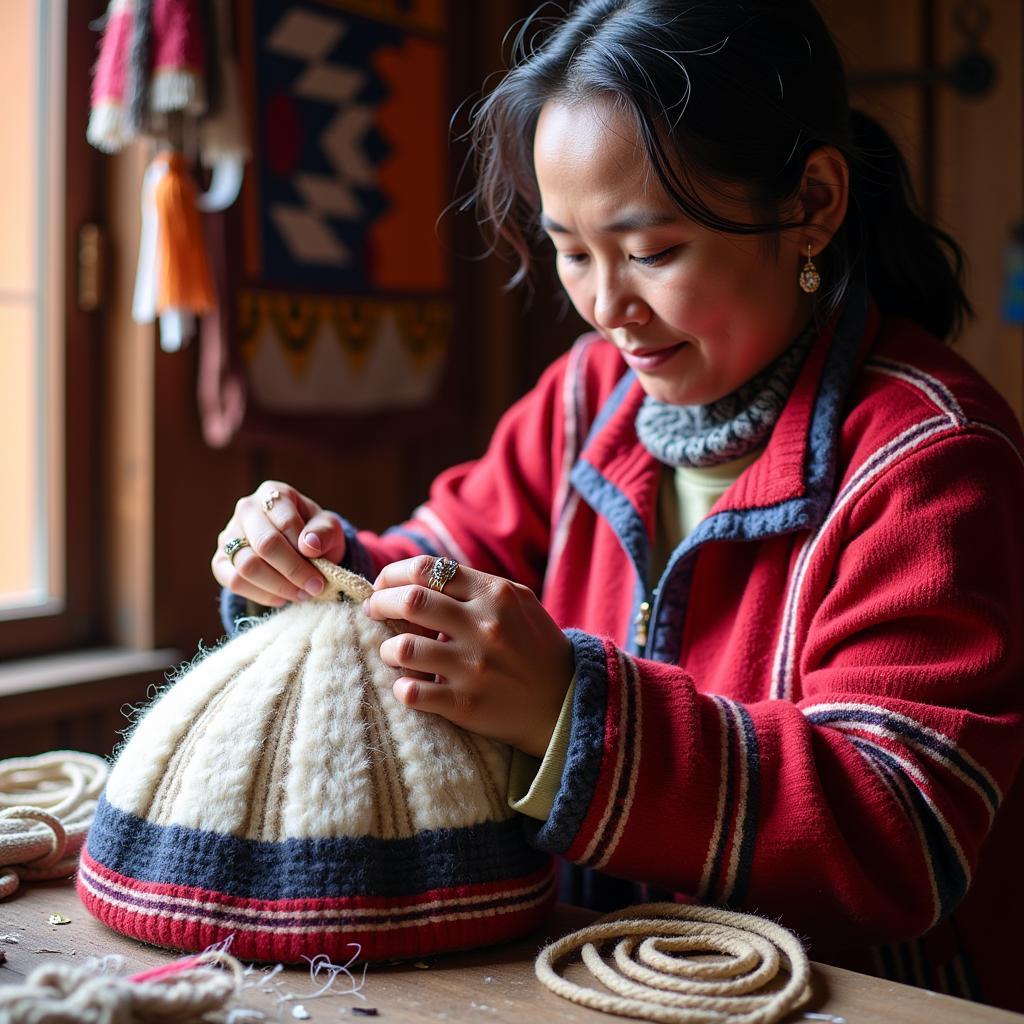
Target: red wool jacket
823 723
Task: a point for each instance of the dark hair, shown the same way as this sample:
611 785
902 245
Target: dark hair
724 93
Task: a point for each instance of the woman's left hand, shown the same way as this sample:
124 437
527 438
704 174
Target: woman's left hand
502 664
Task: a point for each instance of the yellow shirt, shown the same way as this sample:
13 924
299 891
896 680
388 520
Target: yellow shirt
685 496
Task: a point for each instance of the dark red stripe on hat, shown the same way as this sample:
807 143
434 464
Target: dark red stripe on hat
374 909
184 917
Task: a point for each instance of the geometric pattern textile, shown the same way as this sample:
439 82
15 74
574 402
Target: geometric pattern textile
345 267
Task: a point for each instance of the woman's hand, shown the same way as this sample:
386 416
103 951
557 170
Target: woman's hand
501 663
281 529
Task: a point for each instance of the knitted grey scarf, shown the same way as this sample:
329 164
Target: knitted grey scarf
731 427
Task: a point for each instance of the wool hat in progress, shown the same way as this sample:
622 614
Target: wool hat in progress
279 794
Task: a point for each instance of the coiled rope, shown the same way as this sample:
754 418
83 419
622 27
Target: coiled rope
652 983
184 991
47 804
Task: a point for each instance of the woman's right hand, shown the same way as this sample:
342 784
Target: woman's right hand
281 529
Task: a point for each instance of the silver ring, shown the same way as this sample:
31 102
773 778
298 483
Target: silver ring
268 502
233 546
442 573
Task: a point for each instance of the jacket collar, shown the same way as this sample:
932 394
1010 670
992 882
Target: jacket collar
788 488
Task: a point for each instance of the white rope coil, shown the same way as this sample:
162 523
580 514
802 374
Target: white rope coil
56 993
653 982
47 804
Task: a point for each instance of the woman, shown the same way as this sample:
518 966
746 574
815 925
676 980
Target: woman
741 578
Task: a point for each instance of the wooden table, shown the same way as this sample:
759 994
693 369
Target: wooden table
487 986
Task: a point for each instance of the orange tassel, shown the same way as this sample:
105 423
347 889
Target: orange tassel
183 266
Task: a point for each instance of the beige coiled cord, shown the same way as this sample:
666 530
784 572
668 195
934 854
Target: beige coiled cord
47 803
652 984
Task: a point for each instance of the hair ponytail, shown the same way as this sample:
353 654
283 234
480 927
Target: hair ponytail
912 267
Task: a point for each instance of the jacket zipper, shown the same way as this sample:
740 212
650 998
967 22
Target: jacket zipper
642 621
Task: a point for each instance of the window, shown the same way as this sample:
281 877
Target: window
47 355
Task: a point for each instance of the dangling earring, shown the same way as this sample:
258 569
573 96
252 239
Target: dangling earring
810 279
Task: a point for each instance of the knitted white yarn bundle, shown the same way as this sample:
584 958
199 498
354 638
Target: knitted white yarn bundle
187 993
291 730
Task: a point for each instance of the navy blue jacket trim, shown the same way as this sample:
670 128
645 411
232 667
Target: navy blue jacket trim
738 895
357 558
672 594
606 499
309 868
950 878
921 737
611 404
731 773
586 748
416 537
836 379
232 608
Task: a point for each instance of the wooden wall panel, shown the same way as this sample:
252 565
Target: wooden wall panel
85 716
980 187
975 171
195 488
875 36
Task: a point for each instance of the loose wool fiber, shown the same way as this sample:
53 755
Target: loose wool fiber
279 793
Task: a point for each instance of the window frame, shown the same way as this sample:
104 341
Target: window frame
73 189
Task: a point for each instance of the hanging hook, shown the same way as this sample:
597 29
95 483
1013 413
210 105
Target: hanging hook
972 73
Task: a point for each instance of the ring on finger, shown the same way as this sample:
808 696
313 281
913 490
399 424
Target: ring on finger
268 502
442 573
233 546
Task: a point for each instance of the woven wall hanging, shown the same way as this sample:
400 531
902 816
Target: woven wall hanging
278 793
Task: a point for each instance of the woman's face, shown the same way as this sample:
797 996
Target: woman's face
696 313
